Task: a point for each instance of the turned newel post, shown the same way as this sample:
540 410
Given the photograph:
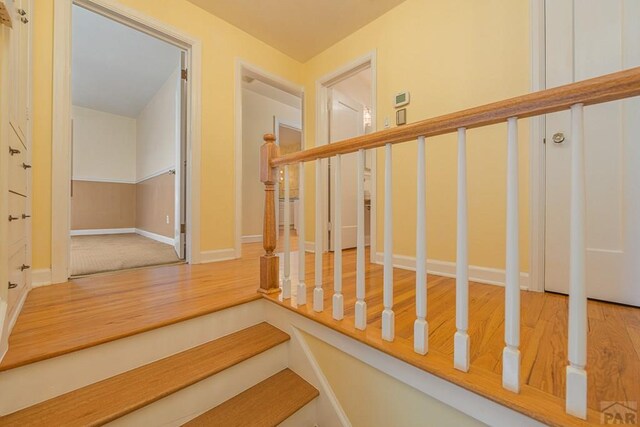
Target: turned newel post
269 263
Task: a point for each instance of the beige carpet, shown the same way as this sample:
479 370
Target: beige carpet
110 252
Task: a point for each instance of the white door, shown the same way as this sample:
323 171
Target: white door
180 241
345 121
584 39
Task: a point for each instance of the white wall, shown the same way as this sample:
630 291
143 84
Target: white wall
158 130
357 87
258 112
104 146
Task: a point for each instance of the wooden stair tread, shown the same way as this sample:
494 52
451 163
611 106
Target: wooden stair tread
107 400
90 311
266 404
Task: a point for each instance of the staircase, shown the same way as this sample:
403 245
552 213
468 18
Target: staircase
239 379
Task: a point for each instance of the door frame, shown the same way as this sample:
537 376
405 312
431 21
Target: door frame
323 84
61 131
243 66
277 122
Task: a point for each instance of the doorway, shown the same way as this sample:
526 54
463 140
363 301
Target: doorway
266 104
62 130
289 138
350 100
128 148
585 39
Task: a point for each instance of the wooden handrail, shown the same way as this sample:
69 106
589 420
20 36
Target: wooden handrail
610 87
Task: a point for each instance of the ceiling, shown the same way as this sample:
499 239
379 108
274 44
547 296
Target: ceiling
299 28
271 92
115 68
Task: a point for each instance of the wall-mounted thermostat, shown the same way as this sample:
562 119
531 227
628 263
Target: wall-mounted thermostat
401 99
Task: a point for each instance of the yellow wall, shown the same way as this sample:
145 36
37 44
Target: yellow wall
450 55
389 402
221 44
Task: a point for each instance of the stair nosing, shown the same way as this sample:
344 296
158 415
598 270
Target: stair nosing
245 398
260 330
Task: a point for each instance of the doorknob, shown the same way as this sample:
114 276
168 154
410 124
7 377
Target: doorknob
558 137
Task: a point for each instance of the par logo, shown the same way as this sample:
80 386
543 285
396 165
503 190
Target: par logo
621 413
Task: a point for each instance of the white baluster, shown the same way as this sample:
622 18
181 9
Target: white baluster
576 374
511 353
286 280
318 293
461 337
301 296
361 305
388 316
336 234
420 326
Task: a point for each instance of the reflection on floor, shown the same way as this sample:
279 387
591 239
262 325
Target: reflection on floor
111 252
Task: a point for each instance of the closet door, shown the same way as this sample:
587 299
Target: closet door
18 171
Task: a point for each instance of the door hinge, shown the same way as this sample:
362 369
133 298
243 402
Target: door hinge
544 140
183 228
185 74
329 226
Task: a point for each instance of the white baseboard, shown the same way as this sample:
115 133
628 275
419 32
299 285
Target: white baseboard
217 255
256 238
486 275
98 231
310 247
154 236
40 277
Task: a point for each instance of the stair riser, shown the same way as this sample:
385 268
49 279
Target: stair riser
186 404
305 417
49 378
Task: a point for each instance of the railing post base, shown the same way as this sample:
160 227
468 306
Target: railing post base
338 306
421 336
269 265
511 369
301 294
318 299
361 315
461 351
388 325
286 288
576 392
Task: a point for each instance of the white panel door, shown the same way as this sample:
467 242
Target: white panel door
584 39
345 121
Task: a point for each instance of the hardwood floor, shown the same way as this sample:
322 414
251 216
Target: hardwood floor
84 312
613 364
88 311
